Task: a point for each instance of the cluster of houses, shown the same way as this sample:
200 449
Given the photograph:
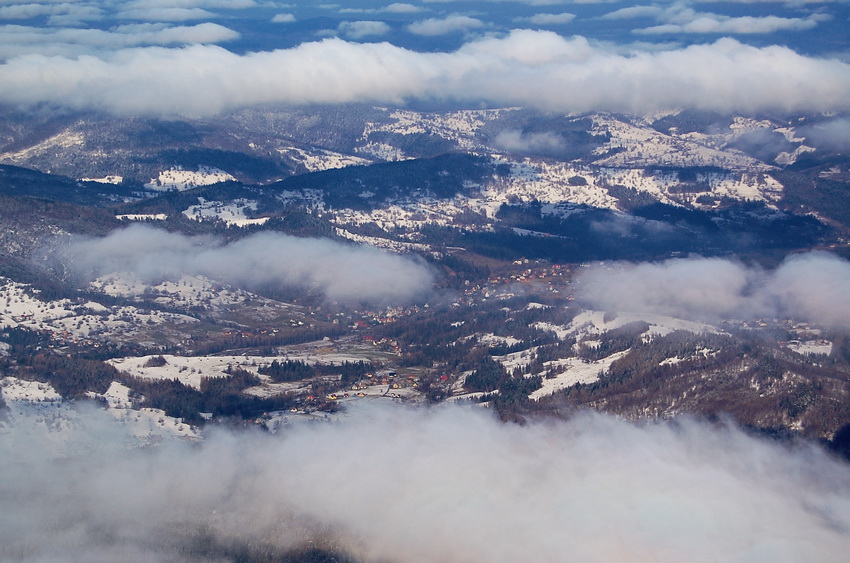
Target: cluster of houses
552 277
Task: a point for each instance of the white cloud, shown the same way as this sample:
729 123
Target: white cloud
73 13
397 8
190 4
680 18
410 485
831 135
283 18
443 26
712 23
515 141
59 13
402 8
787 2
339 271
549 19
633 12
529 2
22 39
810 287
165 14
527 68
25 11
361 29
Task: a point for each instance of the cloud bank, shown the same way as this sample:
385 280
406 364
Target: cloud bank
811 287
408 485
833 135
361 29
82 42
680 18
549 19
527 68
340 272
513 140
443 26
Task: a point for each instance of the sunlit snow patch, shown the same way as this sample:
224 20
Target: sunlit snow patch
318 159
179 179
809 347
232 213
143 217
111 179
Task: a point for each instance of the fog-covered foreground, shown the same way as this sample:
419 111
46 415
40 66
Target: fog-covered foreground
449 484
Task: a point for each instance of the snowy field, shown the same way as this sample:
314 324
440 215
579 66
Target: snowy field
233 213
111 179
179 179
639 147
316 160
809 347
575 370
188 370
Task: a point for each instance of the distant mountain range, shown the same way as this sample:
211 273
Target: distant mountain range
696 159
497 212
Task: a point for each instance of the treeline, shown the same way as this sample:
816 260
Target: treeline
508 394
220 396
297 370
71 377
56 193
283 338
442 176
489 376
511 401
613 341
246 166
652 230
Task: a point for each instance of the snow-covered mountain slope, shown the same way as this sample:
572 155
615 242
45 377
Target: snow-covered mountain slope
318 159
69 321
636 145
585 329
156 315
198 293
380 139
264 146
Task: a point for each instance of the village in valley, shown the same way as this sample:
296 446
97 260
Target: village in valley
190 352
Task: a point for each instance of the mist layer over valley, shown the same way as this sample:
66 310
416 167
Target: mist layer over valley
333 269
407 484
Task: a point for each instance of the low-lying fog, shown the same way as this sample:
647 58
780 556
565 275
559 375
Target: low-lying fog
404 484
344 272
814 287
